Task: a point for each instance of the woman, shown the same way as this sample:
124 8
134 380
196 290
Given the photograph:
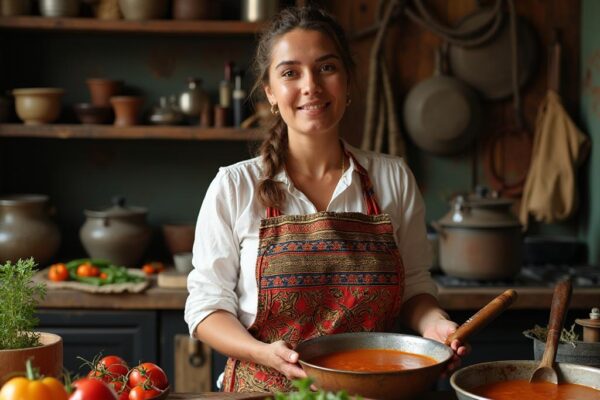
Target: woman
339 233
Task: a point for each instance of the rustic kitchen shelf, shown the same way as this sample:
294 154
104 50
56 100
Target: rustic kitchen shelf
130 132
196 27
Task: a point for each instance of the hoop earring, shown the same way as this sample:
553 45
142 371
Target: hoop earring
348 100
274 109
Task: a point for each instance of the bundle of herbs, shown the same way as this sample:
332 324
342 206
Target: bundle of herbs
541 333
19 297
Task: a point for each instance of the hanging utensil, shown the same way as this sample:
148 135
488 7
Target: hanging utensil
545 372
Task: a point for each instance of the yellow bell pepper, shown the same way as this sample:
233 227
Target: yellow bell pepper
29 388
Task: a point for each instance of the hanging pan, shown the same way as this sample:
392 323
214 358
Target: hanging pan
442 114
487 67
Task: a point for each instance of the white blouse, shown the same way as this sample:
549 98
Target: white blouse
226 244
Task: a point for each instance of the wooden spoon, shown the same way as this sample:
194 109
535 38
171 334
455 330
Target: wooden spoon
483 317
545 372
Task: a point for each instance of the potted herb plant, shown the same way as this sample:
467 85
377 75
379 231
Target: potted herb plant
19 340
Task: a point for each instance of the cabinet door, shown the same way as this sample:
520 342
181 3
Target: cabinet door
129 334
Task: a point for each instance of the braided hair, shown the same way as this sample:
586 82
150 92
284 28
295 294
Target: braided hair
273 149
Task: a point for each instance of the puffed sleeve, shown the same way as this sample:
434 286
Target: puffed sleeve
211 284
411 233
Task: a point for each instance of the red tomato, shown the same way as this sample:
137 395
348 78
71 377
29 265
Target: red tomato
114 365
58 272
143 393
92 389
121 388
148 372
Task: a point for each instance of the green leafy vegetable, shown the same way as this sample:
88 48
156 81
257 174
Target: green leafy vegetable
18 299
114 273
305 393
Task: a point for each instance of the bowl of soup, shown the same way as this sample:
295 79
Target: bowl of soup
374 365
500 380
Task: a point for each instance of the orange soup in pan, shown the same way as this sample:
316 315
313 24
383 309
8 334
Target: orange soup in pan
522 389
372 360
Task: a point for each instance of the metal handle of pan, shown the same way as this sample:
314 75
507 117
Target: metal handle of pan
484 316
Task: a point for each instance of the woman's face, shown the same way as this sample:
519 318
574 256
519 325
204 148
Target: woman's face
308 82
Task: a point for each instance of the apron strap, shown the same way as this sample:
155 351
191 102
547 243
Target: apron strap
367 186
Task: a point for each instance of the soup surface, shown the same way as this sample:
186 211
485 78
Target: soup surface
372 360
522 389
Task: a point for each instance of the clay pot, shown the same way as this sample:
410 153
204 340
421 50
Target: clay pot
101 90
127 109
48 358
36 106
143 9
90 114
179 238
194 9
118 234
26 229
11 8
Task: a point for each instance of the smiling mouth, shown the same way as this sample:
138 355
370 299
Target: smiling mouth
314 107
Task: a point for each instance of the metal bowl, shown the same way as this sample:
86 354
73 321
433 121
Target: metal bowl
406 384
466 379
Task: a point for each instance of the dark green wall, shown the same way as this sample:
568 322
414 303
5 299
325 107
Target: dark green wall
590 115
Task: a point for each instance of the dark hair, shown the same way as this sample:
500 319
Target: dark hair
274 148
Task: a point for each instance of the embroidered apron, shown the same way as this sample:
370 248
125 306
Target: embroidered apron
320 274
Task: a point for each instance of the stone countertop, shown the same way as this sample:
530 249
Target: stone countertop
455 298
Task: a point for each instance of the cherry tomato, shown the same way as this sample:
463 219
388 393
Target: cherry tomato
115 365
87 269
142 393
148 269
151 372
58 272
92 389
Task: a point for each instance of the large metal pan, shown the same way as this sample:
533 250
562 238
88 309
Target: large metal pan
466 379
405 384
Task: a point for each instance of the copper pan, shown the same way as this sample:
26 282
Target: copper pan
405 384
466 379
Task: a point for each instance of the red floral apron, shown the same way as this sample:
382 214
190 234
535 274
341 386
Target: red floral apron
320 274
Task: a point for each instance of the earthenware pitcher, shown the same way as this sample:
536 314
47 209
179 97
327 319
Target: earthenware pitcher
26 228
118 234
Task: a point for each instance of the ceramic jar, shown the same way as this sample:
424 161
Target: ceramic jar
194 9
480 238
194 99
59 8
143 9
127 110
26 229
119 234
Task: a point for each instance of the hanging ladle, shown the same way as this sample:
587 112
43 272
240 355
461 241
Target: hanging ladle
545 371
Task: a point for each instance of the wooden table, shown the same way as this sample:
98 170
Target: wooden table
257 396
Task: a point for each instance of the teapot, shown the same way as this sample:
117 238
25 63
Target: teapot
118 234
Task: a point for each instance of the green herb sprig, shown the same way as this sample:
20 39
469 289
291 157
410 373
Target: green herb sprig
18 299
304 392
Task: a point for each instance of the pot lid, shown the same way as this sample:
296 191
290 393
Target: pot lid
117 210
480 210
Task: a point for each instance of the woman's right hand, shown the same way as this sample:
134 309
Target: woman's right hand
278 355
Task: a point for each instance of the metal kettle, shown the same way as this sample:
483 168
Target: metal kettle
194 99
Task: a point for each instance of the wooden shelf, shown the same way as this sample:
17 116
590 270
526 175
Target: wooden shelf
182 27
52 131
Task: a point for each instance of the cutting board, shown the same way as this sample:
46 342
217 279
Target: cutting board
172 279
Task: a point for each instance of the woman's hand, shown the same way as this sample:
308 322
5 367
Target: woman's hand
278 355
439 330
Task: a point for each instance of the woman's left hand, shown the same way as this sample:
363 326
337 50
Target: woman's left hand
440 330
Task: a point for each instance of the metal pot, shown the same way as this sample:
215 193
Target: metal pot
406 384
118 234
59 8
480 238
466 379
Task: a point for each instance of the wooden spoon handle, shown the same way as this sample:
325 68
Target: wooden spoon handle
558 311
484 316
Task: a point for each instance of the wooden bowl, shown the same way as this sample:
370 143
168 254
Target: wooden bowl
37 106
405 384
90 114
